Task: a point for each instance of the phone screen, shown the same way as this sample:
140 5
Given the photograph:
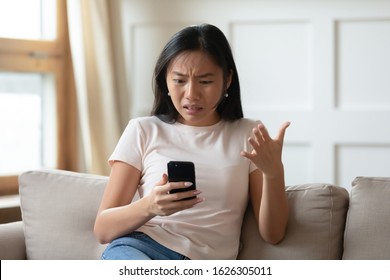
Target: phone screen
182 171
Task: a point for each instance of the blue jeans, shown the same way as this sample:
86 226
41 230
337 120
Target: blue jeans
138 246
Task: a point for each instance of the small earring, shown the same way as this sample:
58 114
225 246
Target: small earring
226 95
169 94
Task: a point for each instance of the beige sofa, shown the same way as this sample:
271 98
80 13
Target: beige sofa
326 222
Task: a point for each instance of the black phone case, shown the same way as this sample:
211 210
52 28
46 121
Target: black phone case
181 171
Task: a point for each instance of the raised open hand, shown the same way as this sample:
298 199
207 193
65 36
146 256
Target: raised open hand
267 152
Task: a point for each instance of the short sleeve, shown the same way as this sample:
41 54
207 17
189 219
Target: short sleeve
130 146
252 167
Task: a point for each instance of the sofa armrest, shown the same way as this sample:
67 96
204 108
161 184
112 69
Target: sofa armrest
12 243
367 228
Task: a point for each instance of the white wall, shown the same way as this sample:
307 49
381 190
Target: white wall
324 65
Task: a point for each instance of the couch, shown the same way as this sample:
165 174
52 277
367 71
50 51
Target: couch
326 221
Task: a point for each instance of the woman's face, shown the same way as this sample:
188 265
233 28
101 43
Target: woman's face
195 84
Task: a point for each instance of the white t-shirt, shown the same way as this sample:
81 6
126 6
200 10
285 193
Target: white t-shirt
211 229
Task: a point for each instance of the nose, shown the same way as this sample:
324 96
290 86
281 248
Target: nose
192 91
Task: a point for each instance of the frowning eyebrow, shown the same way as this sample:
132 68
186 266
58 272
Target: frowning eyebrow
197 76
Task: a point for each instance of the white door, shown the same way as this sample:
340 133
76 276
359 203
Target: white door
323 65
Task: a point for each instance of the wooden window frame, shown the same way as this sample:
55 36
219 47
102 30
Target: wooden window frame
19 55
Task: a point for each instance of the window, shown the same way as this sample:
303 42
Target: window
27 120
37 104
28 19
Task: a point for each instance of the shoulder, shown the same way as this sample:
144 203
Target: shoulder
248 122
239 128
145 122
244 124
147 126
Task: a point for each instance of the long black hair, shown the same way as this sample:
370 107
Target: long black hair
211 40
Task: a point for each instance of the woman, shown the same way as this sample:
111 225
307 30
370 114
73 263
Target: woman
197 116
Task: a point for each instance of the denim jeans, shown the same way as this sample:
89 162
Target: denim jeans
138 246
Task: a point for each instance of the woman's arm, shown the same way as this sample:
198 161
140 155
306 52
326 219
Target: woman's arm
118 215
269 204
266 185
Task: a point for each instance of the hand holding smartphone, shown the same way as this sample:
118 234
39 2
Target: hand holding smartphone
182 171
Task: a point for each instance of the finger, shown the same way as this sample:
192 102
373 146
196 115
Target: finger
257 137
180 185
254 152
282 131
263 131
246 155
163 181
186 195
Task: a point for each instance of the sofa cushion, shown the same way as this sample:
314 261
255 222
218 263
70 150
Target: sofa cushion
59 210
368 221
315 227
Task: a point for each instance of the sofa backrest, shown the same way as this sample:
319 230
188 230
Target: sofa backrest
58 212
315 229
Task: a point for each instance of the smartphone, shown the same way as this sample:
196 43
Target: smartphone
182 171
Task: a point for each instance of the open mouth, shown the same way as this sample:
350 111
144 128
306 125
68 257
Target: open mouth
192 109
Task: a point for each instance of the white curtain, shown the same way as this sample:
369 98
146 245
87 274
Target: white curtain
92 57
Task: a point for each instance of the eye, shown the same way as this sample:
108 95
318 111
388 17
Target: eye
178 81
205 82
